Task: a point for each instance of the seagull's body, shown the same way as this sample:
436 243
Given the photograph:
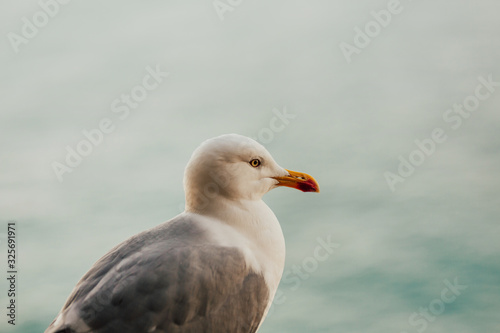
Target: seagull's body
213 268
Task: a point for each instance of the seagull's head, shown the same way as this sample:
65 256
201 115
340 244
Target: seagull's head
237 168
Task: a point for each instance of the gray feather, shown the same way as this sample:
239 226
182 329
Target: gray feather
167 279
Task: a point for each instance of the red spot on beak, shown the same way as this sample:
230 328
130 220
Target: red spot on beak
308 186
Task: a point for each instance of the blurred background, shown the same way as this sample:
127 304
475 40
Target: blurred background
338 89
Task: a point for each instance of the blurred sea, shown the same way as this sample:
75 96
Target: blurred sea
350 124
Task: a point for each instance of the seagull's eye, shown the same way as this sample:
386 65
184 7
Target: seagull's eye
255 163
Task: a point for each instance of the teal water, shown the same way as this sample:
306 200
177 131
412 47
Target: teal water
396 251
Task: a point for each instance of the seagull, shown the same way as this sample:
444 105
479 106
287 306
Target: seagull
214 268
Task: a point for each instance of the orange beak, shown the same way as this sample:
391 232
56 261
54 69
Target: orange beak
298 180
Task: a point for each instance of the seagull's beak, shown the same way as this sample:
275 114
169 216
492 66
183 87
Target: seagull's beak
298 180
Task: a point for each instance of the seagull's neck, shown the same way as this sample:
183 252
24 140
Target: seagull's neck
250 217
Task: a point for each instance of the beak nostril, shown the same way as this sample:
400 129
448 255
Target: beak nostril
297 177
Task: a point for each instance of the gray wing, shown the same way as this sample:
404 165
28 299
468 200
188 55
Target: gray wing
166 280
